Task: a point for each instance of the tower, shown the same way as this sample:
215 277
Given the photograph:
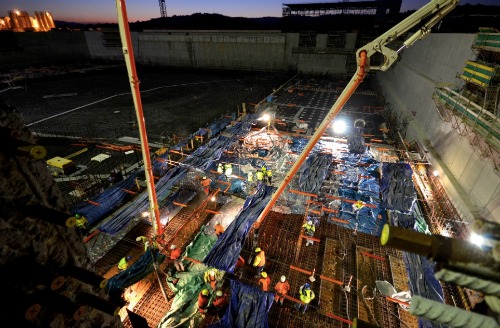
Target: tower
163 9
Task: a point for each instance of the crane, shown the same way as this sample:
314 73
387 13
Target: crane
426 17
163 8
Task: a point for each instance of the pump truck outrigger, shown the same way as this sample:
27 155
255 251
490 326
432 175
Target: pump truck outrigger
426 17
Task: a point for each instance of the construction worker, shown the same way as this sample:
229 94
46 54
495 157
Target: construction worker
175 255
203 299
260 176
144 240
228 169
269 175
309 230
220 303
281 288
306 296
211 278
219 229
250 178
264 281
205 183
220 168
123 264
259 261
81 221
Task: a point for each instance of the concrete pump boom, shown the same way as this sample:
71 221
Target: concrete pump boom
428 16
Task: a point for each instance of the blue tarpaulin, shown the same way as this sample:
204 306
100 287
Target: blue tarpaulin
228 247
248 307
397 188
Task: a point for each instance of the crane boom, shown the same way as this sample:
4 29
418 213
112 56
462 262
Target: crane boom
428 16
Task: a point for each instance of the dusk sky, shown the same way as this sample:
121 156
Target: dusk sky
103 11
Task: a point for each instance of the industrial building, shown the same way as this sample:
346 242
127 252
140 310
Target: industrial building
284 180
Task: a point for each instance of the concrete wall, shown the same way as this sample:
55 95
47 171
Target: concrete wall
42 49
470 180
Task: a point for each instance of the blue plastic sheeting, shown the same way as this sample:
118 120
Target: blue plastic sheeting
366 220
397 188
313 172
228 247
182 196
141 202
248 307
219 125
356 144
197 163
200 132
140 269
239 129
108 201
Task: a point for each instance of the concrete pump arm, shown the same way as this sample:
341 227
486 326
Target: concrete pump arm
427 16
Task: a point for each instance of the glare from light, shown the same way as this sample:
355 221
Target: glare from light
339 126
435 173
476 239
213 199
17 12
145 214
266 117
445 233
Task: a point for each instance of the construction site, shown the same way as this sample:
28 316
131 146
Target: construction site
255 178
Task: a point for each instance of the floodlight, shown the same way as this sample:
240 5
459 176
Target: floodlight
339 126
476 239
435 173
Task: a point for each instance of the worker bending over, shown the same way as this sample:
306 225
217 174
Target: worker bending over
123 264
309 230
220 303
175 255
144 240
306 296
264 281
281 288
212 277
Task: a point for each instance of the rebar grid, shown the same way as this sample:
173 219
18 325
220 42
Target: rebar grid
400 279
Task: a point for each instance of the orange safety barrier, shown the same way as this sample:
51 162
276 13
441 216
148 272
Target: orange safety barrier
373 256
179 204
300 270
93 203
338 282
294 191
336 317
376 140
382 149
397 301
92 235
308 237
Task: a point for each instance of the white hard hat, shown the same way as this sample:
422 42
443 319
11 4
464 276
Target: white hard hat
216 223
283 278
173 246
218 293
309 222
138 239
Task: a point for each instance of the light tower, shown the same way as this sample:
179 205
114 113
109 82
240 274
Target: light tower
163 8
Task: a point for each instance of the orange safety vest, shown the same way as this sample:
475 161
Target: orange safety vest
265 282
219 229
282 287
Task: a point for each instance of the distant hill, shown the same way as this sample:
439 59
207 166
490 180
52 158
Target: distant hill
464 19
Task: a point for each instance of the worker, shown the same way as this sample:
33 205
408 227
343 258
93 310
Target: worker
220 168
175 255
219 229
250 178
203 299
205 183
81 221
260 176
123 264
240 263
259 261
211 277
269 176
264 281
171 279
220 303
309 230
306 296
144 240
228 169
281 288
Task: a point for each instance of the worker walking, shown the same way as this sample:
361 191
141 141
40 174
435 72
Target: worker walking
259 261
205 183
220 303
309 230
144 240
219 229
203 300
123 264
281 288
175 255
264 281
306 296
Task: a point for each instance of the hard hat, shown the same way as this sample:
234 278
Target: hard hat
309 222
257 250
307 286
173 246
138 239
264 275
204 177
77 216
212 272
218 293
205 292
283 278
216 223
128 258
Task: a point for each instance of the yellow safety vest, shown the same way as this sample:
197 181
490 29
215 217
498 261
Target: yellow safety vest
260 175
123 264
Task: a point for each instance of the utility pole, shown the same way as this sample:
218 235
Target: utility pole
163 8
